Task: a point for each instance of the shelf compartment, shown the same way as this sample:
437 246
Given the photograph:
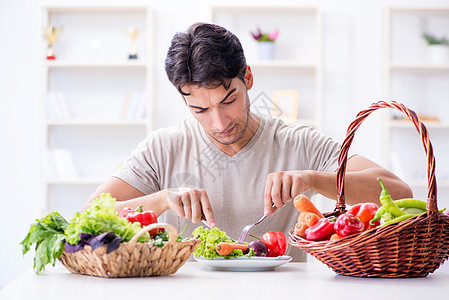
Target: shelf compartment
94 32
98 93
299 33
96 152
67 199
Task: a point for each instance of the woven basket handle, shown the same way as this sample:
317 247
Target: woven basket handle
342 159
172 232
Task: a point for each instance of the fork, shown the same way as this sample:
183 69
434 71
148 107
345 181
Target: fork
247 228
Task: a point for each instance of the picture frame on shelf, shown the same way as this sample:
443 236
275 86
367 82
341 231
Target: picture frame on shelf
285 105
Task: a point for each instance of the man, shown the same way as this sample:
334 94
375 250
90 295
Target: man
228 165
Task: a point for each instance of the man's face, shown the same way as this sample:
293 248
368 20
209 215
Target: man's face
222 113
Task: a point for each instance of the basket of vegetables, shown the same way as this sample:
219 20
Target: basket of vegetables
100 242
411 241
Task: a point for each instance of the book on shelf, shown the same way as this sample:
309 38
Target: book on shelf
134 105
62 163
56 106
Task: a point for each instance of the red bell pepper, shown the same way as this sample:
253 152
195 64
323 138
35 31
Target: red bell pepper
320 231
143 217
347 224
276 243
365 212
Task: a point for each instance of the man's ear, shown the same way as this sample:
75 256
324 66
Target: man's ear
248 78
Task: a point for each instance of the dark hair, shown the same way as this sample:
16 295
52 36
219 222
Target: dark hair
206 55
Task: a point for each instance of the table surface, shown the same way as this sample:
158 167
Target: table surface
194 280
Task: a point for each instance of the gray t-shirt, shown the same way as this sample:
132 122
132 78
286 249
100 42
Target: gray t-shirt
184 156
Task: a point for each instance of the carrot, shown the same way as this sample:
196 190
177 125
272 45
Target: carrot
311 218
335 237
301 217
226 248
303 204
300 229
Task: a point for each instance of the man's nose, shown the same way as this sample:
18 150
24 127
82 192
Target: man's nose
220 120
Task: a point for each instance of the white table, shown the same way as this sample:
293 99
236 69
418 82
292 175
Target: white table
194 281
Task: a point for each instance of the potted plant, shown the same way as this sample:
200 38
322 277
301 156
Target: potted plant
438 47
265 43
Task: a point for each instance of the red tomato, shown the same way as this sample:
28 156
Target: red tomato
276 243
365 212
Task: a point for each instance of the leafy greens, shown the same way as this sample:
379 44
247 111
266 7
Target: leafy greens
48 235
98 225
102 217
209 240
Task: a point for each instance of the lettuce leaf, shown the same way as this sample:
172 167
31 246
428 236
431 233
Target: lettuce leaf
209 240
102 217
48 235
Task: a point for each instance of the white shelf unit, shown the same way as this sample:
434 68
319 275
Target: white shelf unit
96 105
297 64
412 78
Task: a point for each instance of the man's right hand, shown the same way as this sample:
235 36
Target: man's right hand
186 202
190 203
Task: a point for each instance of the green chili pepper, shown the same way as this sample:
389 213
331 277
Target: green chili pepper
402 203
388 203
398 219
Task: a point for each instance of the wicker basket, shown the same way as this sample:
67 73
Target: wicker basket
133 259
411 248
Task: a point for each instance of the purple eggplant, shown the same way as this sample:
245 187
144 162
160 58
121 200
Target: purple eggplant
259 248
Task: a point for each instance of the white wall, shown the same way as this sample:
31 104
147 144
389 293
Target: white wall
352 73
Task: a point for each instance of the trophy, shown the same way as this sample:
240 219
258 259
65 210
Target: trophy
132 33
51 35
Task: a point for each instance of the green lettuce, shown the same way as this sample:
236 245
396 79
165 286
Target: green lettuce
48 235
209 240
102 217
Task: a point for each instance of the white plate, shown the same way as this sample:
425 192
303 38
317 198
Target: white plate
244 263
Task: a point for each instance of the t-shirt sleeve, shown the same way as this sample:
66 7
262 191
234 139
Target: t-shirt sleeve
321 151
140 169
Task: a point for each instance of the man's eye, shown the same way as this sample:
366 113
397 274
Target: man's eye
229 102
200 111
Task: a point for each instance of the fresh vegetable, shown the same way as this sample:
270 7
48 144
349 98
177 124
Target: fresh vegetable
413 210
365 212
311 218
303 204
52 233
110 239
99 218
96 226
48 235
276 243
398 219
259 247
225 248
347 224
388 203
143 217
300 229
335 237
402 204
322 230
210 238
